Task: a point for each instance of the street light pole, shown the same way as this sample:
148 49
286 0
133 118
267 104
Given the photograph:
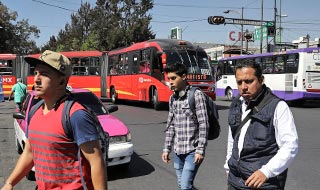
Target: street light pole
241 16
182 30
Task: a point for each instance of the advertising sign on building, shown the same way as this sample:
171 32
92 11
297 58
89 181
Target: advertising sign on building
176 33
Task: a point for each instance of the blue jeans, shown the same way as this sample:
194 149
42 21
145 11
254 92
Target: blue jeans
186 170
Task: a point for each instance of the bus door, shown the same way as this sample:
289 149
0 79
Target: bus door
293 81
103 75
123 83
141 78
156 65
226 85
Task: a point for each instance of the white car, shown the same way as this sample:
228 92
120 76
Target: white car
120 145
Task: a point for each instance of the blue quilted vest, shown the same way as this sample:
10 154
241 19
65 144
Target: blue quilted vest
259 144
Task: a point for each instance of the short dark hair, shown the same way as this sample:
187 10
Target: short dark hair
177 68
252 64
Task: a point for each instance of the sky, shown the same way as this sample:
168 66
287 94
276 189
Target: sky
298 18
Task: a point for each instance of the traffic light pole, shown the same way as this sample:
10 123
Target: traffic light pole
217 20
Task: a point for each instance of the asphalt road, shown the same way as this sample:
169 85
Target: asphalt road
147 171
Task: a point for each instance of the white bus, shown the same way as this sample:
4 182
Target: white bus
292 75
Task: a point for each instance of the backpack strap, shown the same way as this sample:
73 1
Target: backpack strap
191 99
32 112
170 107
66 124
66 118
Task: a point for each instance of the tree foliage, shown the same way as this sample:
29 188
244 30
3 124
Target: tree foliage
104 26
16 36
109 24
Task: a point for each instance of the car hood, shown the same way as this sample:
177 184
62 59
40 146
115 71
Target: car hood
113 125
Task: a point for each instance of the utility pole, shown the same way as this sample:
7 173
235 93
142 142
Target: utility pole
275 23
261 34
241 32
280 29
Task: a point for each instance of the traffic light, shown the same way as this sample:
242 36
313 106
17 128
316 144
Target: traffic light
271 31
216 20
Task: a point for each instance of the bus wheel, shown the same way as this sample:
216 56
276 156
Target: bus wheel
229 94
114 96
155 100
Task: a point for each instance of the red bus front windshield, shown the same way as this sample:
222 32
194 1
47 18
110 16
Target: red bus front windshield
196 61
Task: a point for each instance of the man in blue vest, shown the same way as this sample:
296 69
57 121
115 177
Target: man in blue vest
262 140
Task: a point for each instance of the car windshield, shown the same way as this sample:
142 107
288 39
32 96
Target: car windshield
91 101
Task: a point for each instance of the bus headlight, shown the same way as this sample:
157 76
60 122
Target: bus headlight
166 83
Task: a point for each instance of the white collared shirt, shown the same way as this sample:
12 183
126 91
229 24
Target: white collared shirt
286 137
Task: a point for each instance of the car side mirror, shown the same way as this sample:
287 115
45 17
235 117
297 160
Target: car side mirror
18 115
112 108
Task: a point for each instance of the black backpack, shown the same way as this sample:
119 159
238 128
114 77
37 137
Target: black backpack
212 112
103 136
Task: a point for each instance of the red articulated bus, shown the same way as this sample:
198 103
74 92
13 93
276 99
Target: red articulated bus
87 71
10 69
136 72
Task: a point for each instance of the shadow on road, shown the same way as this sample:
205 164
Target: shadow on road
304 103
137 167
221 107
165 106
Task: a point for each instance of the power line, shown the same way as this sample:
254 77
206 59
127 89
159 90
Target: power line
203 7
53 5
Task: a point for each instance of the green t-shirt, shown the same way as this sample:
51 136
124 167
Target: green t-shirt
20 91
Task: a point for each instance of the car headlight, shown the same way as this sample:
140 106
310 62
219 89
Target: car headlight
120 139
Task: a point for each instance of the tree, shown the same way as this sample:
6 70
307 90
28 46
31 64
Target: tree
127 22
16 36
51 45
110 24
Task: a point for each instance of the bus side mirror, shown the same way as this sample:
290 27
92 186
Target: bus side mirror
160 52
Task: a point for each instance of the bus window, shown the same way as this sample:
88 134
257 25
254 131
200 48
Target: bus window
267 64
156 66
173 57
79 70
279 64
258 60
123 64
113 65
144 66
292 63
135 62
6 67
94 66
230 67
145 54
